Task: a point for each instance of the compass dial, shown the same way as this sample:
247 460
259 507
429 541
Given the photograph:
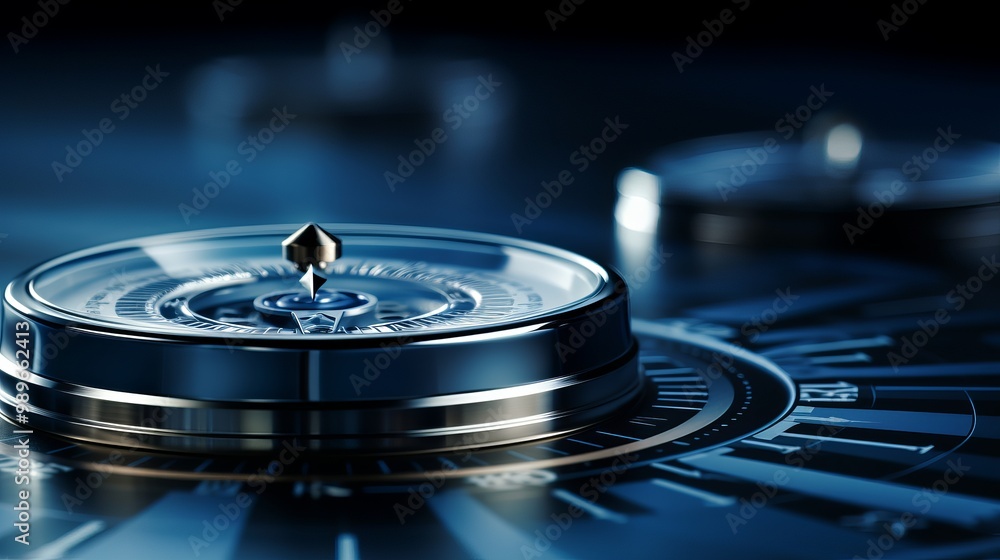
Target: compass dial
236 281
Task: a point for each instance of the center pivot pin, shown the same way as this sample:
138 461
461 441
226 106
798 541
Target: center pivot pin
309 248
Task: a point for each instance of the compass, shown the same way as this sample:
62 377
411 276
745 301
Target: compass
374 340
413 339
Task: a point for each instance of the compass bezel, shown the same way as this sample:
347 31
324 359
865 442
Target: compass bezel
21 295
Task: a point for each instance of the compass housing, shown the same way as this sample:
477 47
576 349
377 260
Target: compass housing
161 343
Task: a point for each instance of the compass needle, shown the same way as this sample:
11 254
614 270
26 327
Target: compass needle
312 282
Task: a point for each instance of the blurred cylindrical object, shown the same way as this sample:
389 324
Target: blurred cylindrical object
833 190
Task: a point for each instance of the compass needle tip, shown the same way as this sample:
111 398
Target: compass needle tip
312 281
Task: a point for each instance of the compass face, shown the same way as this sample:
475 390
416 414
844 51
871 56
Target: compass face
458 395
235 282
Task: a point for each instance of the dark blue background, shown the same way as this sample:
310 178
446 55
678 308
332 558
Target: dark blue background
354 120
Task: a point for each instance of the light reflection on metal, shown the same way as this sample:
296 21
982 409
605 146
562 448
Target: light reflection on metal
638 206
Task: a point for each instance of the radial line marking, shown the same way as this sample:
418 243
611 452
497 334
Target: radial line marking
710 499
54 451
140 461
690 473
783 449
675 407
934 371
678 379
585 443
914 448
556 451
856 344
59 547
880 388
620 436
521 456
590 507
669 372
826 421
856 358
951 508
